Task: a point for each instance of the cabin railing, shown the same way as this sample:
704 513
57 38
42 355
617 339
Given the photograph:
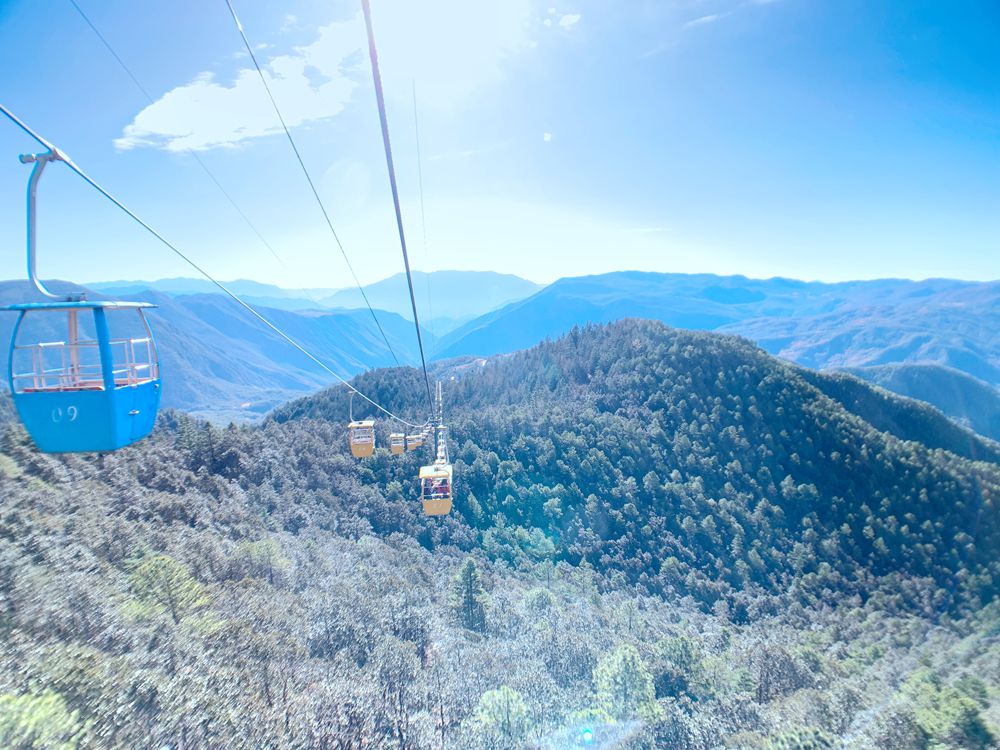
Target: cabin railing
62 366
363 435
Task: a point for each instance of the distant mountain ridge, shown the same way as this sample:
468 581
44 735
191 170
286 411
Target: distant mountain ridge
445 299
451 297
185 285
226 362
253 292
849 324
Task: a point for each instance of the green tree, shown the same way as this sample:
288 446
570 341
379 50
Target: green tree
948 715
678 666
468 597
263 559
624 685
41 722
162 583
503 711
539 600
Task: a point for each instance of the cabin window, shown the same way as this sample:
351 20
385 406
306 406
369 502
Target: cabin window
59 350
436 487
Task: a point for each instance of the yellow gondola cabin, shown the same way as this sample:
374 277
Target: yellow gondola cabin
397 443
435 489
361 436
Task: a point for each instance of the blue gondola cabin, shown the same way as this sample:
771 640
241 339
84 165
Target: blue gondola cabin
84 375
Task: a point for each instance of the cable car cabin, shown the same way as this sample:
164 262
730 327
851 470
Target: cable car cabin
435 489
397 443
84 375
414 441
361 436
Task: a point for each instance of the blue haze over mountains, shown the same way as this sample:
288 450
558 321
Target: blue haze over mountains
933 340
446 299
850 324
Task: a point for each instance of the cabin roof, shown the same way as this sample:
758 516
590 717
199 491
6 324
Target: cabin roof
105 304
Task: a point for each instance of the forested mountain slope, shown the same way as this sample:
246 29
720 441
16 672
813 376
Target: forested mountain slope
7 414
679 541
906 418
698 461
962 397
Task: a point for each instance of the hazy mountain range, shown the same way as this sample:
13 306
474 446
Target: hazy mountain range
947 327
446 299
217 360
851 324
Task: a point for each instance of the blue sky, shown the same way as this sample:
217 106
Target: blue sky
819 140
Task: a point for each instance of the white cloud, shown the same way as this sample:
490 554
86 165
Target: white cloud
310 84
713 17
569 20
703 20
656 51
546 137
452 48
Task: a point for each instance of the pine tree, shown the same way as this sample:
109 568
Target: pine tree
624 685
41 721
468 597
503 711
163 583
